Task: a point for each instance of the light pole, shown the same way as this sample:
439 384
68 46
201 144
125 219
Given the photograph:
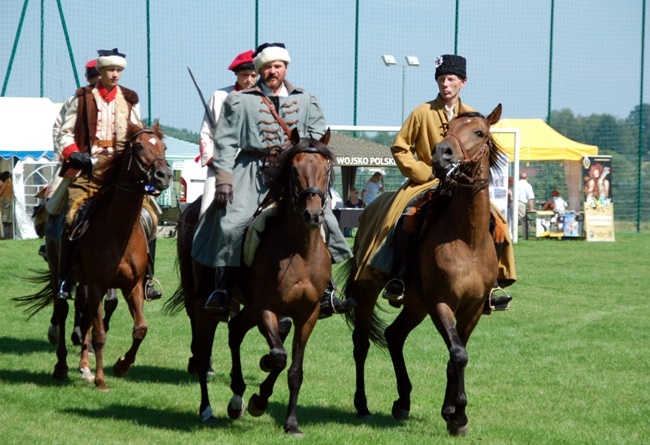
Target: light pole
410 61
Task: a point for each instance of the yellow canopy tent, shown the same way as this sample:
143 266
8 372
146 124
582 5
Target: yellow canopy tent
539 142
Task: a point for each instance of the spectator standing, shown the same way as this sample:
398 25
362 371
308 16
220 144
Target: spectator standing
372 188
526 197
6 205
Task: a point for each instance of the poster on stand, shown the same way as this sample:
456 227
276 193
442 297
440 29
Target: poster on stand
598 203
500 189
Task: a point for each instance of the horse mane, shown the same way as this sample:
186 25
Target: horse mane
280 172
496 156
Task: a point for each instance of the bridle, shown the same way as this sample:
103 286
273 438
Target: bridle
146 169
298 196
464 173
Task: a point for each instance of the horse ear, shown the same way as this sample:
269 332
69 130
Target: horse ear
494 117
295 136
156 129
325 139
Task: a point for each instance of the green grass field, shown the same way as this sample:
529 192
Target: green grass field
567 364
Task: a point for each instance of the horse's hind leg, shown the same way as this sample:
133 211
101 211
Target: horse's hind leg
110 304
453 408
396 335
366 299
61 367
79 304
238 326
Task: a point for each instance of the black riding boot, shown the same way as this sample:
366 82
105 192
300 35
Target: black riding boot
66 254
330 304
218 302
395 288
150 292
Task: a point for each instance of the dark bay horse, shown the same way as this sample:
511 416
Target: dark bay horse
454 266
112 250
286 277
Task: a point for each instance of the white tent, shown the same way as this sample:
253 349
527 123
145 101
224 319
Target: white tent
26 149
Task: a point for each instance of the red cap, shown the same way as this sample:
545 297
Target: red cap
91 64
245 57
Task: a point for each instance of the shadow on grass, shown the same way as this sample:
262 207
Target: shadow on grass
41 378
184 421
19 346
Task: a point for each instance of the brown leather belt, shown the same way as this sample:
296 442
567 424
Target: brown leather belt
103 144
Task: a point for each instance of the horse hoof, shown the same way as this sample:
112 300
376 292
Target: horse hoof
399 413
86 374
207 417
53 334
60 372
236 408
75 337
456 430
121 368
293 430
256 406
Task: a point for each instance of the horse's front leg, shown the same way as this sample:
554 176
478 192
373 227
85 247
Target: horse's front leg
61 310
275 362
396 335
295 377
238 326
84 331
136 308
453 408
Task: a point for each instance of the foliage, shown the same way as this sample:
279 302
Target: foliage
567 364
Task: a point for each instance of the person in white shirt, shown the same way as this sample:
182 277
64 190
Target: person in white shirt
244 69
372 188
525 195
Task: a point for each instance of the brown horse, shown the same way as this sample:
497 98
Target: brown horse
286 277
112 251
453 269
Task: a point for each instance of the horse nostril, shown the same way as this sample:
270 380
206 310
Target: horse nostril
447 153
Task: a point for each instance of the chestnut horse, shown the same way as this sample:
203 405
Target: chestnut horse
286 277
454 266
112 251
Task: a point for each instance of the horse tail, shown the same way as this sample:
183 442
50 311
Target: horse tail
176 302
38 301
344 274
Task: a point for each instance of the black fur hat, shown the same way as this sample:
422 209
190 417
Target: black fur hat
451 64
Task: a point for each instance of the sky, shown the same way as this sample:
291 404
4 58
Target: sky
596 57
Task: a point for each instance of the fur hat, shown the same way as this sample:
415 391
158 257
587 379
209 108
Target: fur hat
269 52
451 64
91 69
243 61
110 57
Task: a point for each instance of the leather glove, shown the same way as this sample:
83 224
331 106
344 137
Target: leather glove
223 195
81 161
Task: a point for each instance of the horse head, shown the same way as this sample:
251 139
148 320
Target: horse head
466 145
304 175
147 163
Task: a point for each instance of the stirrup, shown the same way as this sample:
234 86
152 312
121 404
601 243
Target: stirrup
66 288
503 300
218 304
151 291
391 291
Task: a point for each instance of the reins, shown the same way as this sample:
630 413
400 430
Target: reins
456 175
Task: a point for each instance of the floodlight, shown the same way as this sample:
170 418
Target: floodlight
388 60
412 61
